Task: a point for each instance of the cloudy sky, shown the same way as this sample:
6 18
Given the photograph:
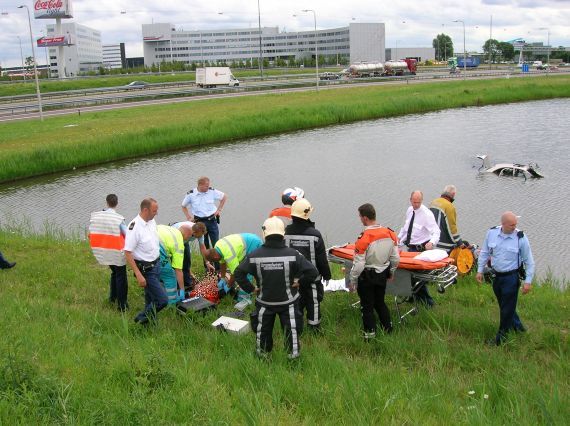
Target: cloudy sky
408 22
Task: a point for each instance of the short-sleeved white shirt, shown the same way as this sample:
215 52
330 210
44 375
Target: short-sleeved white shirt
177 225
142 239
202 204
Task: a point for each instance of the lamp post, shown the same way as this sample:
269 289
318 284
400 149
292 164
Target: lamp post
22 57
464 52
260 47
396 52
548 44
34 59
47 49
316 45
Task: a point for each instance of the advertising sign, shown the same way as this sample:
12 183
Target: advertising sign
53 41
52 9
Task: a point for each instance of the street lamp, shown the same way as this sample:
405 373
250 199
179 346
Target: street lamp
548 45
44 34
22 57
464 52
34 59
316 45
260 47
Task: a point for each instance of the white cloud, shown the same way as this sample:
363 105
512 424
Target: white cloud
511 19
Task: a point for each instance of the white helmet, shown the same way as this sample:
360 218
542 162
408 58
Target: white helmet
301 208
273 226
289 196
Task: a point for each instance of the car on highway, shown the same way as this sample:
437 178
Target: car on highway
328 76
136 85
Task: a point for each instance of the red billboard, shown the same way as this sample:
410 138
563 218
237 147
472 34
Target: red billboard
51 9
53 41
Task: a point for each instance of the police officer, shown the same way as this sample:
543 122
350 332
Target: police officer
202 203
302 236
376 258
142 251
508 249
276 269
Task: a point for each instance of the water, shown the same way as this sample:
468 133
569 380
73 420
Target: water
340 168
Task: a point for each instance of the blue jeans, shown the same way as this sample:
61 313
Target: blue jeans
506 289
118 287
154 296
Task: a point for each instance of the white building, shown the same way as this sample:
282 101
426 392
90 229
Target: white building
114 56
356 42
84 54
420 53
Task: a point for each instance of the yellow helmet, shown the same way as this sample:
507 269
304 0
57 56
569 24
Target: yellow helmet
301 208
273 226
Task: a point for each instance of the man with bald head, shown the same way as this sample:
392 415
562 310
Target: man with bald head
419 233
511 259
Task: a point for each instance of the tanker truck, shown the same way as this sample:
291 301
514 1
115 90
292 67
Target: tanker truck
401 67
373 69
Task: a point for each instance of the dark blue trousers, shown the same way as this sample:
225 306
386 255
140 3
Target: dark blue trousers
422 294
155 297
506 289
186 265
3 262
118 287
212 237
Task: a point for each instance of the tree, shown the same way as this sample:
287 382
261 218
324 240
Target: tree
29 64
507 51
491 47
443 47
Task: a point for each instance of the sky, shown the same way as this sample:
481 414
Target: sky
409 23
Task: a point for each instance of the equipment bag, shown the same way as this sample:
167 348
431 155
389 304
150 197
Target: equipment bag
194 304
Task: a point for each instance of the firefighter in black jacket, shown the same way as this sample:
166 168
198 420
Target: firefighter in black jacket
302 236
278 272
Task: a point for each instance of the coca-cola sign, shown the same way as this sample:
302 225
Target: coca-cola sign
51 9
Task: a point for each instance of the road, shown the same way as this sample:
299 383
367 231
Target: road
77 102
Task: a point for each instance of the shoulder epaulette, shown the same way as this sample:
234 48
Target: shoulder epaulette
190 192
495 227
360 236
211 187
520 234
131 225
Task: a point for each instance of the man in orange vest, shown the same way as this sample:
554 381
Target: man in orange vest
376 258
107 232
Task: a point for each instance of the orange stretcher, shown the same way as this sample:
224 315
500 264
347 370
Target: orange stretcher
411 275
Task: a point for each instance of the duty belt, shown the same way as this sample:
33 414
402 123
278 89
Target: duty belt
504 274
145 266
202 219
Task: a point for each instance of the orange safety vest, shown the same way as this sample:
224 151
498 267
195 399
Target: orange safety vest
105 238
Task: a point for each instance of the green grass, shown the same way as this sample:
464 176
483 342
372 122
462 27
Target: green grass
33 148
55 85
67 356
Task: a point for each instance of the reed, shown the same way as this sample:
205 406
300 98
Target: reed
67 356
62 143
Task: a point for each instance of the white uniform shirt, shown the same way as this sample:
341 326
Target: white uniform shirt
424 228
142 239
202 204
177 225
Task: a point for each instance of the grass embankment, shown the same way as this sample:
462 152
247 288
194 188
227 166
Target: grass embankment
68 357
32 148
55 85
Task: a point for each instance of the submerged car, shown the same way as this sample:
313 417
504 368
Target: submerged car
510 169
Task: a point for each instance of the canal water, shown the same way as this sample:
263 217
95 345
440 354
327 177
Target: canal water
340 168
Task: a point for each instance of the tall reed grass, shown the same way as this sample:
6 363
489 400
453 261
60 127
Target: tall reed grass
35 148
67 356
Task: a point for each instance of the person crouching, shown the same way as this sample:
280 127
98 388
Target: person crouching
278 271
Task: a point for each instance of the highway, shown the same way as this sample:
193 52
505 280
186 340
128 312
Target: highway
81 101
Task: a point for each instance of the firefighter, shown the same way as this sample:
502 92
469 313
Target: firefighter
278 271
302 236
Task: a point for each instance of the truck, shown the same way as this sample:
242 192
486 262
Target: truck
215 76
379 69
470 61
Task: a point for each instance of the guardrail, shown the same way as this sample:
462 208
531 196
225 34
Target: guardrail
250 85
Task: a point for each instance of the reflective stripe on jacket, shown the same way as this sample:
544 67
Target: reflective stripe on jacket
105 238
446 218
171 239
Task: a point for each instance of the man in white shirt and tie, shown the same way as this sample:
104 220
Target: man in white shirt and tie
419 233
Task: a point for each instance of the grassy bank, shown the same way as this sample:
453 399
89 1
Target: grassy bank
68 357
32 148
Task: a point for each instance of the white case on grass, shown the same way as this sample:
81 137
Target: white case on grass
233 325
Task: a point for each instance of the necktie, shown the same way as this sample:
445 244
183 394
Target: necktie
409 235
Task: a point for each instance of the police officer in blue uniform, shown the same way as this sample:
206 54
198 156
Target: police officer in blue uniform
199 205
509 252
